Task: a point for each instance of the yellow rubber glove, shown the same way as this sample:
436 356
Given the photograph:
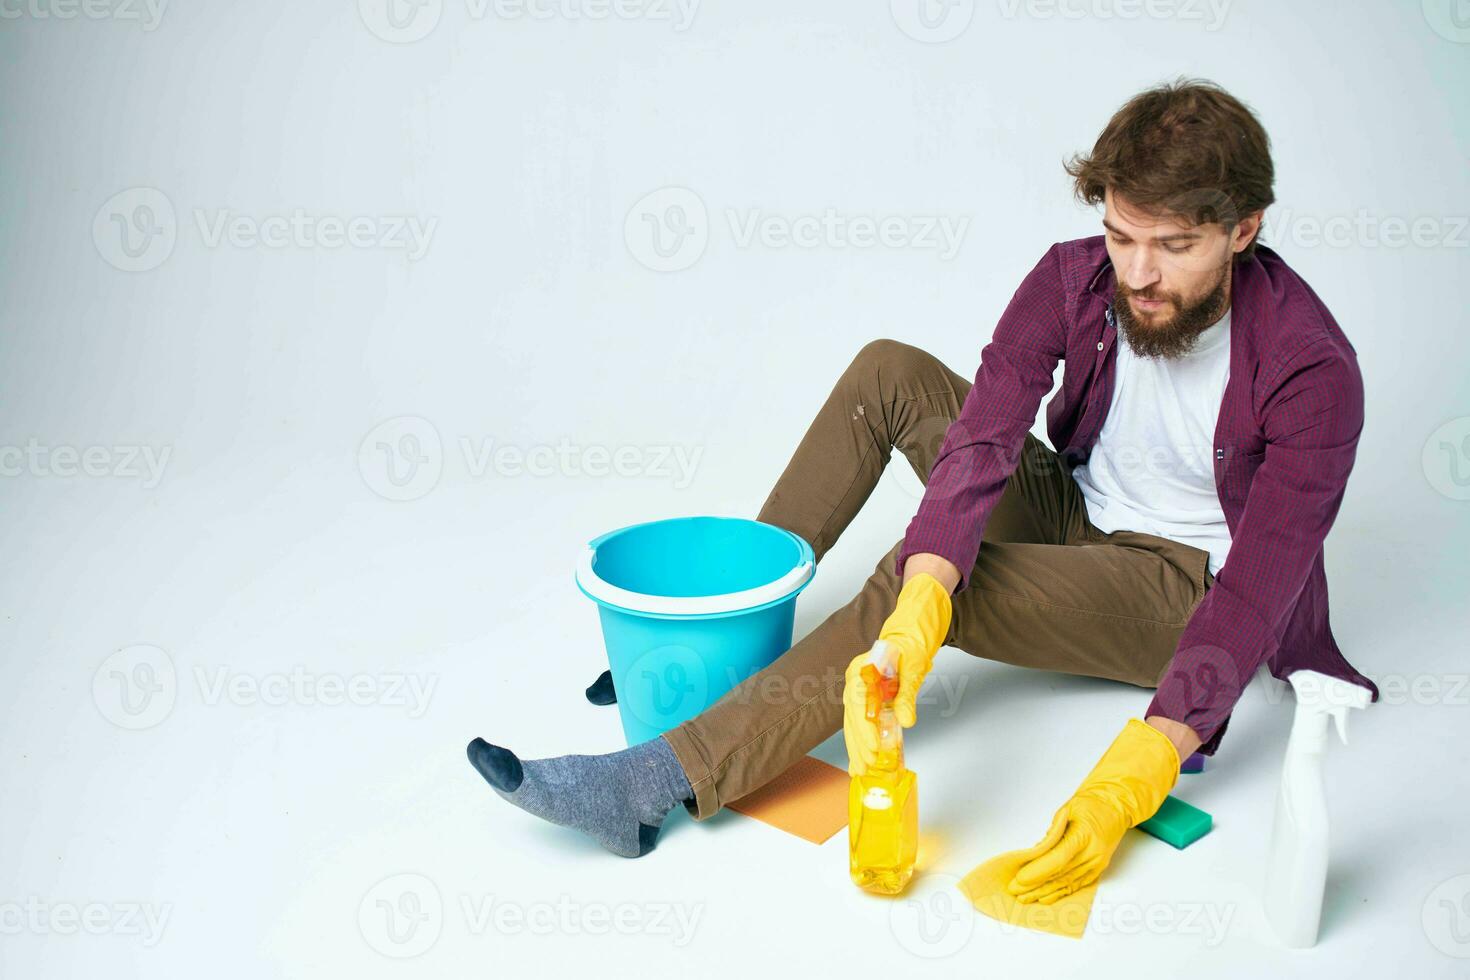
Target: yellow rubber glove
1125 788
914 633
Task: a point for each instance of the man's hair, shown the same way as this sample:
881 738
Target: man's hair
1185 148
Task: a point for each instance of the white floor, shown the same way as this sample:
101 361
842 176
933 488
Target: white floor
253 830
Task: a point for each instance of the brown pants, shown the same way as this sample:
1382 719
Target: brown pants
1048 589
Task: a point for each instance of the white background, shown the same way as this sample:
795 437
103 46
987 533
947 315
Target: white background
265 825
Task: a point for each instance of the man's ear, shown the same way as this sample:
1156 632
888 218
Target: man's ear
1245 231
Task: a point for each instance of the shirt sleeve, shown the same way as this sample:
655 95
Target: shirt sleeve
982 446
1312 419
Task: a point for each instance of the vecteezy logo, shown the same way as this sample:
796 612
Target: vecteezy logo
401 916
1201 673
932 921
135 229
668 229
1446 458
1450 19
665 685
136 687
932 21
401 459
1446 917
401 21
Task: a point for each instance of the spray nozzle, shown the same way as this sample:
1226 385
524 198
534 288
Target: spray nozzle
880 678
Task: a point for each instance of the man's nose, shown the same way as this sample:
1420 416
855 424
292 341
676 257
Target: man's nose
1141 272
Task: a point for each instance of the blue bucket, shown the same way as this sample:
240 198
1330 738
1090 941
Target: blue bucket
690 607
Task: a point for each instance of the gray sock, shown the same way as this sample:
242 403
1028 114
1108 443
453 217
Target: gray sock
620 798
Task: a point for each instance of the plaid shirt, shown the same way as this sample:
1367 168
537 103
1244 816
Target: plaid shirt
1284 443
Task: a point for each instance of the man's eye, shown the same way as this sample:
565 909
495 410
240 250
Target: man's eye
1176 249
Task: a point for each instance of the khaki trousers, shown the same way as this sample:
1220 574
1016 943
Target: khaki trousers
1048 589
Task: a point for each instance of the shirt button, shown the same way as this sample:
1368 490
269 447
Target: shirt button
1099 345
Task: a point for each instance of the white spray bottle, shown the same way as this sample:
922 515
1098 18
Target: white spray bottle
1297 873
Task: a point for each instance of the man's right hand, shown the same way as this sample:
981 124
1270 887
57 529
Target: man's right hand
914 632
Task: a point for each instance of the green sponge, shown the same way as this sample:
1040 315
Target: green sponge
1177 823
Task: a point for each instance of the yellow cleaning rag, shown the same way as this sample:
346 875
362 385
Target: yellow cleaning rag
985 887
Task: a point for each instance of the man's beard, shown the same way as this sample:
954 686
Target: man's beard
1175 336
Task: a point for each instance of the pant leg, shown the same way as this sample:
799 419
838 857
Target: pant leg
774 717
1087 602
892 396
1110 610
1113 608
897 396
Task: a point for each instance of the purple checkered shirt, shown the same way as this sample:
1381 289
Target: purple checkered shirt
1284 446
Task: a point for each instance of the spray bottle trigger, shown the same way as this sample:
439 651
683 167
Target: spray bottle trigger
1359 699
1319 694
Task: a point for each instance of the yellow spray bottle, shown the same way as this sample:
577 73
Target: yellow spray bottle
883 803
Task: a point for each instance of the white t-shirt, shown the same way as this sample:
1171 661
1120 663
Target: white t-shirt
1153 468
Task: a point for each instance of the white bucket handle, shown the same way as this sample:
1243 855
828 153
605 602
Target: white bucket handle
698 605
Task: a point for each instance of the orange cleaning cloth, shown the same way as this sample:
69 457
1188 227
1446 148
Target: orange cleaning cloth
809 800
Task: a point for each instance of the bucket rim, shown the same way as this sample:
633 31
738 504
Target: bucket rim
746 600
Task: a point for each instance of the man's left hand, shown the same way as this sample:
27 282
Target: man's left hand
1125 788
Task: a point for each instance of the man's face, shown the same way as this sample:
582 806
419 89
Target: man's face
1173 278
